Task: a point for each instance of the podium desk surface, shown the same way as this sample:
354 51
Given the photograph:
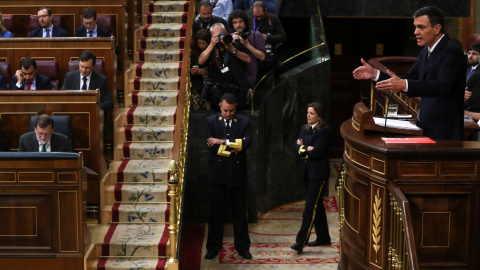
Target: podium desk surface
373 140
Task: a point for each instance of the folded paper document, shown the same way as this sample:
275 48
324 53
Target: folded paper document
391 123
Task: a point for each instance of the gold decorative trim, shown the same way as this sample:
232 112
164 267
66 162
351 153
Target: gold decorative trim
358 163
76 221
359 207
383 163
14 177
46 173
376 228
36 221
65 173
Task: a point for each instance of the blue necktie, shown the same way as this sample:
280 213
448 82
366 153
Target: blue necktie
90 34
47 32
470 73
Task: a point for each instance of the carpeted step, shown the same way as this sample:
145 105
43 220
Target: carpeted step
131 263
167 30
133 193
158 70
170 17
168 6
146 150
141 213
149 171
148 240
146 133
156 116
163 56
163 43
164 98
156 84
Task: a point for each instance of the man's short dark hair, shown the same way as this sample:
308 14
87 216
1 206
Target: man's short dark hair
204 3
27 62
237 13
89 12
434 14
44 121
259 4
474 47
229 98
49 10
87 55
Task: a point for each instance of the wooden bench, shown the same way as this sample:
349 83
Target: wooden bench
83 107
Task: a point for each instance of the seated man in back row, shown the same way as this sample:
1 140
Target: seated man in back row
43 139
47 29
27 77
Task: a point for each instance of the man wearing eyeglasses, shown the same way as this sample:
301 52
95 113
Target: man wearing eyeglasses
47 29
44 139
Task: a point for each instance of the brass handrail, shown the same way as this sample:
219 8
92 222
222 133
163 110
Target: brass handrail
271 72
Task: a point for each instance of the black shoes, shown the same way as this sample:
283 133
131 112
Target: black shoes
210 255
246 255
318 242
297 247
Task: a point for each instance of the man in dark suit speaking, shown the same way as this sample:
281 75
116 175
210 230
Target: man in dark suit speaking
27 77
90 27
47 29
44 139
436 80
228 136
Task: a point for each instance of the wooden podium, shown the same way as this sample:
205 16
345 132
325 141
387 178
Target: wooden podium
432 189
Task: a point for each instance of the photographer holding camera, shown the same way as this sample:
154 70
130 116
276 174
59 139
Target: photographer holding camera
272 30
251 40
226 69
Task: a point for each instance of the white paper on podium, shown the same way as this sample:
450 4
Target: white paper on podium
391 123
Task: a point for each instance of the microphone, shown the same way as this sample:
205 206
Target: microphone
386 115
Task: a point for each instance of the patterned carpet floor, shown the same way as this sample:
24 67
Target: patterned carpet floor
273 235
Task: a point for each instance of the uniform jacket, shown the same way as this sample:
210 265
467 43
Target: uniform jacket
232 170
315 163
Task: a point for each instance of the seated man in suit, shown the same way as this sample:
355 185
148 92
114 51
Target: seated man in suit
88 79
90 27
44 139
46 28
27 77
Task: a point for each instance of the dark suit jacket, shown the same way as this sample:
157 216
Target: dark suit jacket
440 82
56 32
3 83
473 84
101 32
42 83
230 171
97 80
314 164
58 143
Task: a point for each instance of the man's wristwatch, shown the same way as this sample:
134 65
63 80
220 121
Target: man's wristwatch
235 52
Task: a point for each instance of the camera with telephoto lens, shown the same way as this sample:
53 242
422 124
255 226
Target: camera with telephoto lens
244 35
226 38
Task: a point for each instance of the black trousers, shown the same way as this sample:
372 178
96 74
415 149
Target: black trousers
238 199
314 213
